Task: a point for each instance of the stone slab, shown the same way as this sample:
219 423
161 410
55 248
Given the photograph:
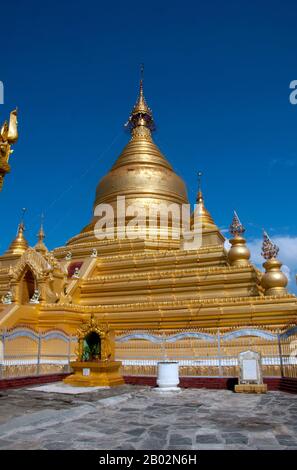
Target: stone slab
59 387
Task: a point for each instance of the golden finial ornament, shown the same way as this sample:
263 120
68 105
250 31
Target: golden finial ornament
239 254
40 246
199 198
141 115
273 281
8 136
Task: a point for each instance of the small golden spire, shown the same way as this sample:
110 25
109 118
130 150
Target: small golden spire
19 245
239 254
141 115
273 281
201 216
40 246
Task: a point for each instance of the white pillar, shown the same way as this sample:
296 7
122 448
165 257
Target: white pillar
168 377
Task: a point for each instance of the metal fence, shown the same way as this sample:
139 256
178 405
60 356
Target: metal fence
203 354
25 352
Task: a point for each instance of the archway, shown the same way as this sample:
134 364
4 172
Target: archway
91 347
27 287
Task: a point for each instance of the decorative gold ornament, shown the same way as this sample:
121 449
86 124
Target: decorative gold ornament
274 281
8 136
239 254
40 246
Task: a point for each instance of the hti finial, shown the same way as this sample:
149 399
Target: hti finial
24 210
199 194
199 180
269 249
22 219
41 234
141 115
236 228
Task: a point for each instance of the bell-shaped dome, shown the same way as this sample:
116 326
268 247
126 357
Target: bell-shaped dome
141 173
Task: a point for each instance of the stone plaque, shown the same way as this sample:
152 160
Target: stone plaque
250 368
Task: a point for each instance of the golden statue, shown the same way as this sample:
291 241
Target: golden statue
8 136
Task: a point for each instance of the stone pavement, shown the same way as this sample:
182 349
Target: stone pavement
133 417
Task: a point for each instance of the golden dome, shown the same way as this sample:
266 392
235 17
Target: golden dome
141 173
201 216
19 245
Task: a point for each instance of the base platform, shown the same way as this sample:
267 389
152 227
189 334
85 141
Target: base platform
251 388
95 374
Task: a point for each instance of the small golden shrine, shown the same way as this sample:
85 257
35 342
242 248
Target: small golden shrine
95 365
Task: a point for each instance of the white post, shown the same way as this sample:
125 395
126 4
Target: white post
38 355
168 377
219 355
1 354
69 353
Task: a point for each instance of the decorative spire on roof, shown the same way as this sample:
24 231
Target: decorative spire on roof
236 228
19 245
40 246
201 216
141 115
273 281
239 254
199 198
269 249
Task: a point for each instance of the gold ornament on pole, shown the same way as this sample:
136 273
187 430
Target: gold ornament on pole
274 281
239 254
8 136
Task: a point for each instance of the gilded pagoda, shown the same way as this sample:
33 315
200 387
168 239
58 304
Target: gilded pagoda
162 296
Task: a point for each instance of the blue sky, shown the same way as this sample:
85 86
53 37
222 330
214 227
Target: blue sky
217 77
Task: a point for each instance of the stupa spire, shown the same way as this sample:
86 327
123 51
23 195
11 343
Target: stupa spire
199 198
19 245
40 246
141 115
201 214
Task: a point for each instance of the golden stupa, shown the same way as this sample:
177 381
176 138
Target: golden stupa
158 295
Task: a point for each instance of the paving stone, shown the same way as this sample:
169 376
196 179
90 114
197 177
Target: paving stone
207 439
129 417
286 440
177 439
